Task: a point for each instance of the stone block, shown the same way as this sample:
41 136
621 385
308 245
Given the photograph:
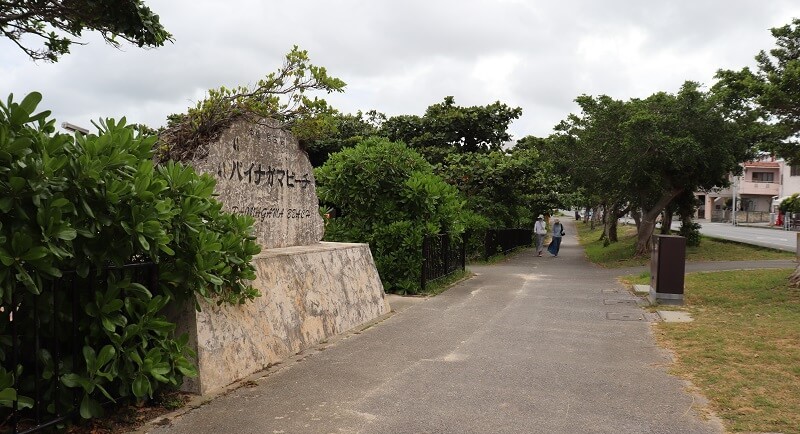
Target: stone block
309 294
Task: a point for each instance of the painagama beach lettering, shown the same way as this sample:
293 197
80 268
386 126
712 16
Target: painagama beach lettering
255 173
263 213
267 175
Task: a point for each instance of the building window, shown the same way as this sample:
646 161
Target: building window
763 177
795 171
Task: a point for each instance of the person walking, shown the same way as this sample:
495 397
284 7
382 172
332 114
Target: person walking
539 230
558 232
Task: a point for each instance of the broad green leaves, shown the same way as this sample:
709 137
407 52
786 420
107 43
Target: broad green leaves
91 204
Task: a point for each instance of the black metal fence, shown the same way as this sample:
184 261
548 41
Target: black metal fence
441 256
44 338
505 240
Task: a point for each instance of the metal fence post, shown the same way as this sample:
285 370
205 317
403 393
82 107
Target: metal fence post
424 259
463 252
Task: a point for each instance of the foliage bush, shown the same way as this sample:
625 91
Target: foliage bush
388 197
86 203
790 204
691 232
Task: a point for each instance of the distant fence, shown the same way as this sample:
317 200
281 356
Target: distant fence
725 216
38 353
505 240
441 256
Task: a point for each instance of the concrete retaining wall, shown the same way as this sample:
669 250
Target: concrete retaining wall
309 293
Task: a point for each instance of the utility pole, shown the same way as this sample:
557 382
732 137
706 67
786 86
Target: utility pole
734 201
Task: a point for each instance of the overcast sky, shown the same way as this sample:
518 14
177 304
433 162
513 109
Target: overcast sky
399 57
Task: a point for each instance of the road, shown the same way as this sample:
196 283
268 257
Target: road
527 345
765 237
759 236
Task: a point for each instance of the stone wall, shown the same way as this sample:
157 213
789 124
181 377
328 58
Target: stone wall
309 294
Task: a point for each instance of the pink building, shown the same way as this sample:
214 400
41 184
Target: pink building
761 182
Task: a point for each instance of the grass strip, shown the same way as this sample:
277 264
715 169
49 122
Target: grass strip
743 348
620 254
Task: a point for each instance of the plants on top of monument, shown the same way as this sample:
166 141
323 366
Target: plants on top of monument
390 198
279 101
76 212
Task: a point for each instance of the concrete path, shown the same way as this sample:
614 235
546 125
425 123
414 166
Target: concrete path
529 345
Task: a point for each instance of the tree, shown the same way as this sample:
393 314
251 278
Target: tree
58 23
771 94
648 152
771 97
678 143
595 165
348 130
447 128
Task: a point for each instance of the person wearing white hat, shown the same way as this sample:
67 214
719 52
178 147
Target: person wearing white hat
539 230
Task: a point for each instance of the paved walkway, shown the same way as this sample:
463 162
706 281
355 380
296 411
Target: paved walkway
529 345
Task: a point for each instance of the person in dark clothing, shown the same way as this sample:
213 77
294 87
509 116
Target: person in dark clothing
558 232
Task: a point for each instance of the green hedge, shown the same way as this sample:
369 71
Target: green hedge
388 196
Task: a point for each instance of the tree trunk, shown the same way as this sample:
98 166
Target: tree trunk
595 216
666 222
610 218
794 279
648 225
643 238
610 228
604 234
637 218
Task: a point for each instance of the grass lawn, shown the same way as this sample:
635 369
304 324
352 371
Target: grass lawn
743 348
620 254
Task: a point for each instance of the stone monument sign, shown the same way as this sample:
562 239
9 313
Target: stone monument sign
261 171
310 290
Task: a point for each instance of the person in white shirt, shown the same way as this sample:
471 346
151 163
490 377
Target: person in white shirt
539 230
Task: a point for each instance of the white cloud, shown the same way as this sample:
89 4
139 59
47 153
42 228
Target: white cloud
400 57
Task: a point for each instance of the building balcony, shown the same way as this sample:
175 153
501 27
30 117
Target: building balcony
759 188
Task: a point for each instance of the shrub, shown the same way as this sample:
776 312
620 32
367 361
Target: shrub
691 232
87 203
388 197
790 205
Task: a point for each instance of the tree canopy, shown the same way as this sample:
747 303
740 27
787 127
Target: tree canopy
650 151
770 98
771 94
58 24
447 128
